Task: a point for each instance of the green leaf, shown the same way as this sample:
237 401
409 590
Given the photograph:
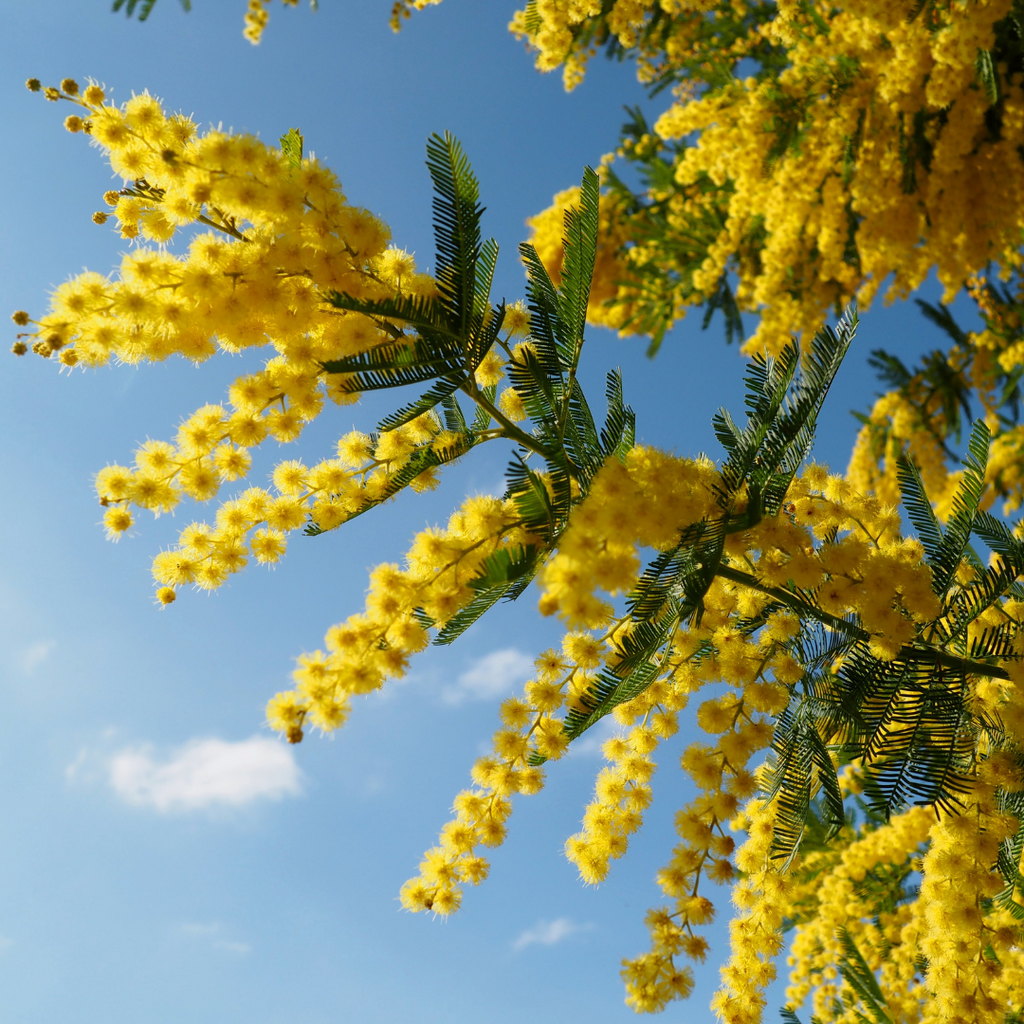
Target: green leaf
454 418
919 508
398 363
956 537
533 503
985 68
802 767
580 246
457 213
859 976
427 315
542 299
619 431
505 573
482 419
144 7
441 391
291 146
629 679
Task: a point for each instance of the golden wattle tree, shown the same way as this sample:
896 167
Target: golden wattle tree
861 774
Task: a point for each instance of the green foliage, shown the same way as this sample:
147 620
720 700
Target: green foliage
443 340
291 146
783 399
907 720
144 7
859 976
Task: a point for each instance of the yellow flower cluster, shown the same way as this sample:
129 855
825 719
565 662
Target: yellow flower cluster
840 902
758 674
965 952
257 16
403 9
898 169
552 26
763 896
374 645
327 494
283 230
646 501
284 235
531 727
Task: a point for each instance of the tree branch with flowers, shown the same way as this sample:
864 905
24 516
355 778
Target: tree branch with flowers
865 740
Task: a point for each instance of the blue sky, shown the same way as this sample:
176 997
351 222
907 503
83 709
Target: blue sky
163 857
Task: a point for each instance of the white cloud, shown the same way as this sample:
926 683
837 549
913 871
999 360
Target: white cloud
205 773
493 675
547 933
34 655
214 934
5 943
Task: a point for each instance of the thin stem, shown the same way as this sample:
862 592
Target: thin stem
511 430
228 230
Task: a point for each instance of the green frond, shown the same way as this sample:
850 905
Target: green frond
908 721
889 369
505 573
943 319
396 364
144 7
542 300
859 976
1001 540
957 535
486 263
482 418
582 443
457 213
783 399
540 387
919 508
427 315
485 334
580 245
421 460
994 642
619 431
967 604
1010 852
659 582
985 69
533 503
610 690
791 435
441 391
291 146
454 418
801 770
728 433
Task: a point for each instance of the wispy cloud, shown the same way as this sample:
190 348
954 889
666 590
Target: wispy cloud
547 933
213 934
206 773
493 675
34 655
5 943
